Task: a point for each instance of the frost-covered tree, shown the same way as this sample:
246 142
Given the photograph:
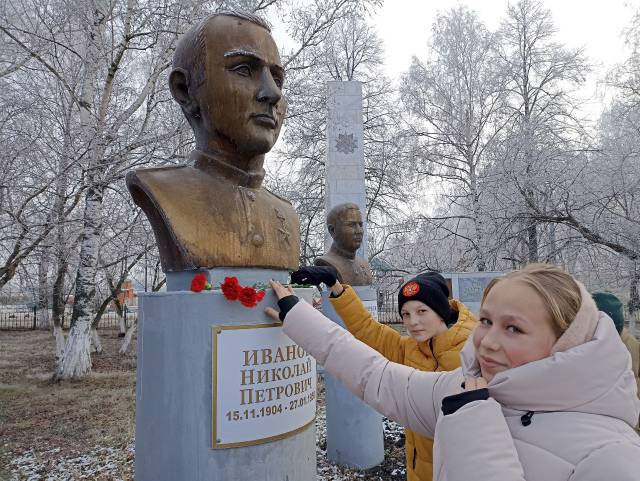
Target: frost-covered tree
455 97
104 60
545 122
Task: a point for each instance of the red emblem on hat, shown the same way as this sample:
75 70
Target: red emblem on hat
411 289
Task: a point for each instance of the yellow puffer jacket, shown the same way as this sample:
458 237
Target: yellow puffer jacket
441 353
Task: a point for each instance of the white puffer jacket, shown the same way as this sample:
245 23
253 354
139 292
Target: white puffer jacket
583 401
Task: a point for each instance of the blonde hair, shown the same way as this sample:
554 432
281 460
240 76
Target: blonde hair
557 288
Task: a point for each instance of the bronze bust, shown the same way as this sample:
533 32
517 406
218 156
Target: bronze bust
345 226
227 78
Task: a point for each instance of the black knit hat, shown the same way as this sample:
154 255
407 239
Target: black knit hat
430 288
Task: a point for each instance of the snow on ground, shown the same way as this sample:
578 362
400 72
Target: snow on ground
392 469
98 464
117 464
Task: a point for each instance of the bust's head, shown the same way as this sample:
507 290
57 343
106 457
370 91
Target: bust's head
344 223
227 77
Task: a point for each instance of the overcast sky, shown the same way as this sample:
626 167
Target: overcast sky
596 25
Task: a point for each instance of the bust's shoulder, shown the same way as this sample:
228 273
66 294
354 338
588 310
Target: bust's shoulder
328 259
155 171
322 261
183 184
361 261
188 180
153 176
170 180
275 196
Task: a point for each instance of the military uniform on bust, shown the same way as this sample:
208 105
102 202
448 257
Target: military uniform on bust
352 270
193 206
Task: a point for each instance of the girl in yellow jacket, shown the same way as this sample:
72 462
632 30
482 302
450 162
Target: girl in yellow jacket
437 328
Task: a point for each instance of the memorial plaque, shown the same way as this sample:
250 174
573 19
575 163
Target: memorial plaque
264 385
471 288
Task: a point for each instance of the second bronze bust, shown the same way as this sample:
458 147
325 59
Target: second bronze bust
345 225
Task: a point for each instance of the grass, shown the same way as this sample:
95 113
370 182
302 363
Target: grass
73 415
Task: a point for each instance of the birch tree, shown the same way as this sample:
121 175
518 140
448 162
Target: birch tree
141 28
119 45
30 173
598 197
546 123
588 189
456 100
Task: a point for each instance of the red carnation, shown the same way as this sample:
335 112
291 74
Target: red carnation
198 282
260 295
248 296
231 288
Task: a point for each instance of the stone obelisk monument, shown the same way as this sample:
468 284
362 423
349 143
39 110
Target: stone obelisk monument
354 430
222 393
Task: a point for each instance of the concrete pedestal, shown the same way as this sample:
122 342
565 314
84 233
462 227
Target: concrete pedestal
174 395
354 430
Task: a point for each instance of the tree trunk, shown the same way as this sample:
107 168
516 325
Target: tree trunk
42 304
43 317
481 262
553 245
58 303
76 357
634 295
532 241
128 336
58 298
57 294
531 224
122 326
95 340
59 339
95 337
76 360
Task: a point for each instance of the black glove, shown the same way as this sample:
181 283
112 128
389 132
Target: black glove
315 275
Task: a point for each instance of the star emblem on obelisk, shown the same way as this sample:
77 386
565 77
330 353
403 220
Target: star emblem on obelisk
346 143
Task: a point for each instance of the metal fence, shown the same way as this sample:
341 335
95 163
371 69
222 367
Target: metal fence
19 318
388 308
24 318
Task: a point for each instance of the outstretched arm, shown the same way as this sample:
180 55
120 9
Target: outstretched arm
357 319
404 394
